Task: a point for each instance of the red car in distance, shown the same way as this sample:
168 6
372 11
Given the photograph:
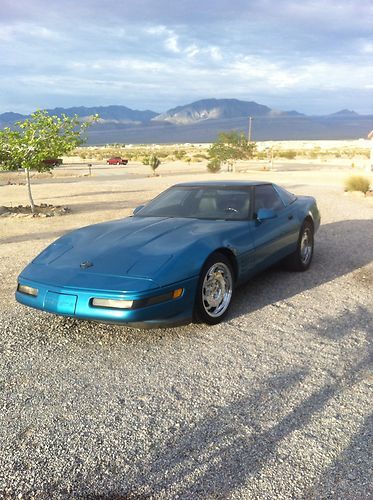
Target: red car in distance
116 160
52 162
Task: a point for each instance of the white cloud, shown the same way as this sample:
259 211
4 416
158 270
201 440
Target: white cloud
170 38
229 52
367 48
172 44
120 66
215 53
23 30
156 30
315 74
191 51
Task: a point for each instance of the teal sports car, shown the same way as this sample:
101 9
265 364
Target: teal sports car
178 259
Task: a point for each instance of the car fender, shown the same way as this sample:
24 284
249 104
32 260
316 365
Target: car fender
188 263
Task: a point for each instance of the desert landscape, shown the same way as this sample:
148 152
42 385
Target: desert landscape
273 403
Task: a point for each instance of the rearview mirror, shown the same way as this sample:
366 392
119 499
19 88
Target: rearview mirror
265 214
137 209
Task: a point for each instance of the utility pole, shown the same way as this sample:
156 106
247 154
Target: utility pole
250 124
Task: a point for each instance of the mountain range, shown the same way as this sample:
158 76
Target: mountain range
202 120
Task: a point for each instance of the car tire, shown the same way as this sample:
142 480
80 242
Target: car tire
214 291
301 259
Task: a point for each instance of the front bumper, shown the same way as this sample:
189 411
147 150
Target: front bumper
77 303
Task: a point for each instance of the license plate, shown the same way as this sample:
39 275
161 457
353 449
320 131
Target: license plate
60 303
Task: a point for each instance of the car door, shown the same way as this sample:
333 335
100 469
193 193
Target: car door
273 238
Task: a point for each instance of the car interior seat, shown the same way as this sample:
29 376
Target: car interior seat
207 207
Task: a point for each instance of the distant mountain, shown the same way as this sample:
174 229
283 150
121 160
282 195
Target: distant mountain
201 121
7 119
292 113
108 114
264 128
114 114
212 109
345 113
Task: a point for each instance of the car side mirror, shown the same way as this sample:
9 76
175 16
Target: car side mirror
137 209
265 214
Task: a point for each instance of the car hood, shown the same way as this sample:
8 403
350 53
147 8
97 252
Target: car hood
136 248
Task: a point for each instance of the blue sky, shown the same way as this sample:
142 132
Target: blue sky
312 56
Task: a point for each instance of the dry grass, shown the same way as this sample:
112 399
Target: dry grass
357 183
357 150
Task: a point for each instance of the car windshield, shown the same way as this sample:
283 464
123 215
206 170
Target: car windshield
200 202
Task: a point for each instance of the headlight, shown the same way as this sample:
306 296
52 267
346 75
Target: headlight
113 303
136 304
28 290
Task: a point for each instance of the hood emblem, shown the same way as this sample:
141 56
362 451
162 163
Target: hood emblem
86 264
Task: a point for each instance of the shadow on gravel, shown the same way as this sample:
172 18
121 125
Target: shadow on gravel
222 452
218 454
335 328
340 248
350 476
231 444
362 320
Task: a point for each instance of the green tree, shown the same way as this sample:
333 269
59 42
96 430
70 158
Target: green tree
39 138
229 147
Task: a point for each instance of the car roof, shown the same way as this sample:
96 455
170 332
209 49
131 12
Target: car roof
221 184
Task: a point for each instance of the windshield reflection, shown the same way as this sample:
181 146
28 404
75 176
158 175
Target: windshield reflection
200 203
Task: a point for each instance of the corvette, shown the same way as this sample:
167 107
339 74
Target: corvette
177 259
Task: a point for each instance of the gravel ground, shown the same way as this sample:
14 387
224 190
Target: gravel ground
273 403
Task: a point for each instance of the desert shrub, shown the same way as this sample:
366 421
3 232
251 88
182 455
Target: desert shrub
200 157
261 155
214 165
357 183
179 153
289 154
154 162
162 154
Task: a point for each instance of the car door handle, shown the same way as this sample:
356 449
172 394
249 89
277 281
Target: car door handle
290 216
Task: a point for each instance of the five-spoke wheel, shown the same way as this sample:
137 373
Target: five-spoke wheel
300 260
215 289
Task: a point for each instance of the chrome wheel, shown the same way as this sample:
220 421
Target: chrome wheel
306 246
217 290
301 258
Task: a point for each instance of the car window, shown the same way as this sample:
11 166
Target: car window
206 202
267 197
223 203
285 195
166 203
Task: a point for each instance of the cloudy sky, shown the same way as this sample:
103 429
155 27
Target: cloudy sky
315 56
